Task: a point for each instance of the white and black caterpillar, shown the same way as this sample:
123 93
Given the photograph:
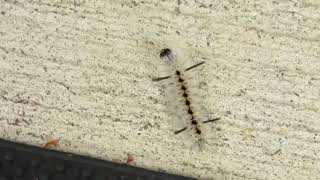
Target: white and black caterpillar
182 93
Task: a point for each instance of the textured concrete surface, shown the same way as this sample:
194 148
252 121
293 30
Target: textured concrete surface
81 70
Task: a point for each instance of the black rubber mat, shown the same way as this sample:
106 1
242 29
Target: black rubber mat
24 162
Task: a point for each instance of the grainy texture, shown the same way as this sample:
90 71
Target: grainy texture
81 71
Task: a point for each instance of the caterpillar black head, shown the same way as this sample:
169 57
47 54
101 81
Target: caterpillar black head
166 55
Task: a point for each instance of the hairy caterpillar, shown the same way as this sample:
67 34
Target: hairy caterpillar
182 93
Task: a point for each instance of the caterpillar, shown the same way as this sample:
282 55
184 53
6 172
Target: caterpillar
183 99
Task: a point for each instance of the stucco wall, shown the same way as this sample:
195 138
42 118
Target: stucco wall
81 71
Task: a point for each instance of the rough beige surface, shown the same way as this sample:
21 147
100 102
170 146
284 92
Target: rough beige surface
81 70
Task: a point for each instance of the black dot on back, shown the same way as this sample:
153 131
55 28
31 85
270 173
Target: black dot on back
198 131
187 102
165 52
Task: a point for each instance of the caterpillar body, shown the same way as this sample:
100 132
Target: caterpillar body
182 93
